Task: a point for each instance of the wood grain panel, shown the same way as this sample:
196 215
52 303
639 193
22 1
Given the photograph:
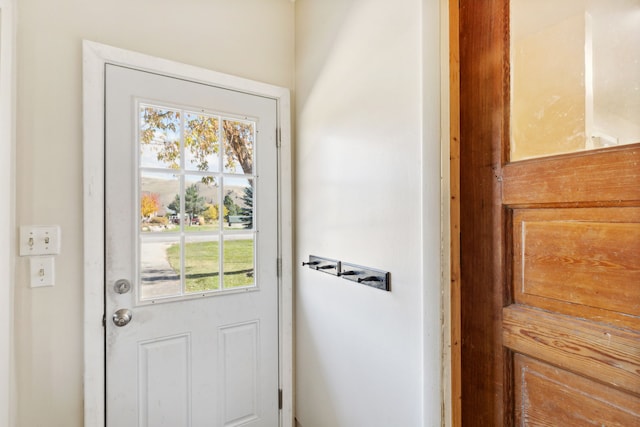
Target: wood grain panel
570 306
589 263
606 354
484 84
593 177
454 187
546 396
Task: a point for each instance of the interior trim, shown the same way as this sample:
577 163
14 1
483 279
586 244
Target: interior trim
7 198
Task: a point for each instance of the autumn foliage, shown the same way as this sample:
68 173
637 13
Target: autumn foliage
149 204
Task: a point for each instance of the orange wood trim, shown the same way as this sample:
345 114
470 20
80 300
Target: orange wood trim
454 153
485 373
609 176
592 349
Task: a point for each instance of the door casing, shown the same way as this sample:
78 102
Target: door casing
95 56
7 199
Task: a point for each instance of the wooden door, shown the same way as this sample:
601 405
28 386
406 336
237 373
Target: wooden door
550 260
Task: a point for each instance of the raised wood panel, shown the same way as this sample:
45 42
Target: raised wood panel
588 263
608 355
593 177
570 299
547 396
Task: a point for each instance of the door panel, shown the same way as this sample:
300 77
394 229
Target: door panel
550 252
595 350
191 223
552 397
164 361
239 379
607 176
579 259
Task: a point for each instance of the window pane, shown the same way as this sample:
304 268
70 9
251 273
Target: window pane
239 137
238 203
159 137
202 259
159 268
158 206
201 202
205 195
615 38
238 261
201 142
575 76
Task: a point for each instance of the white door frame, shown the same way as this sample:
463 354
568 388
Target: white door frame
7 205
95 56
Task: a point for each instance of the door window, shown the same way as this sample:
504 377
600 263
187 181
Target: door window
575 75
196 231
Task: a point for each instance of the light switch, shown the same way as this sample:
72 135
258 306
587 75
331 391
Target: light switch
42 271
39 240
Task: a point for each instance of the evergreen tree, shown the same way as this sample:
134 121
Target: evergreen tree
246 213
194 204
232 208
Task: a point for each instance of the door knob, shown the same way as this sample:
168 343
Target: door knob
122 317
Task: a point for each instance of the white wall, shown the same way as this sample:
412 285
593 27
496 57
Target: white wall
368 188
249 38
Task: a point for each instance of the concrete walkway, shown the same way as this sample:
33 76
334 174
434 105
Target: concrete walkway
158 278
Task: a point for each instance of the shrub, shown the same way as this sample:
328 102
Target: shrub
159 220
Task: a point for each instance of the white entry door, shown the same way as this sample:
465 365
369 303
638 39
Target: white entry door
191 254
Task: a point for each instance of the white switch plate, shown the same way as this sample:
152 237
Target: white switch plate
42 271
39 240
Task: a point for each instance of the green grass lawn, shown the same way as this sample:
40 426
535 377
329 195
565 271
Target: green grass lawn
172 228
202 266
206 227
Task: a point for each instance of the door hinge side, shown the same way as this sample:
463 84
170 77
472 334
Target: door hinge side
278 137
104 320
279 267
280 398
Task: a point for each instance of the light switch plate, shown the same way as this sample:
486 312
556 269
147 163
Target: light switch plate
39 240
42 271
